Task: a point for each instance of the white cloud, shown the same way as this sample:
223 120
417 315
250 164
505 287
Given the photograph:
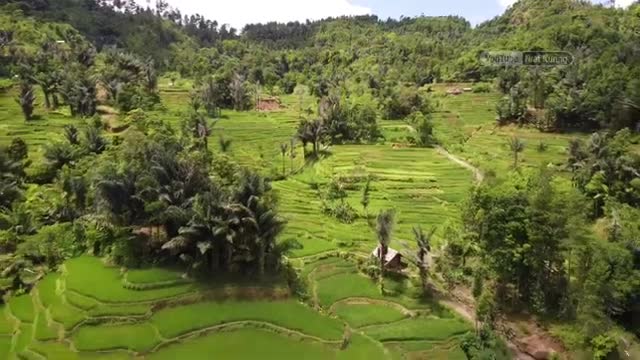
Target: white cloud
624 3
237 13
619 3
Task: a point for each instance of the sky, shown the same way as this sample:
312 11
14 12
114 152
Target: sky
237 13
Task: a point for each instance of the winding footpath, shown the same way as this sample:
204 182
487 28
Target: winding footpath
477 174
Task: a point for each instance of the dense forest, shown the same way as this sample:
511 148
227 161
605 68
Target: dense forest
562 243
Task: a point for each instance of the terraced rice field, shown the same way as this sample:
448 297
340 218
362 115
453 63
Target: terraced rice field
92 311
472 115
67 317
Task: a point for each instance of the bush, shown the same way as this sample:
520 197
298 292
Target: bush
481 88
401 101
424 128
136 97
542 146
344 212
603 346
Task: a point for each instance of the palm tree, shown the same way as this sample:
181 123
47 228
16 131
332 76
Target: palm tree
225 144
365 197
238 92
384 228
264 225
94 141
423 242
283 150
292 151
59 154
150 75
71 134
311 132
11 173
26 99
516 146
200 128
210 96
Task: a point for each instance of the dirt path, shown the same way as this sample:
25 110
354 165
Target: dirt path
477 174
524 337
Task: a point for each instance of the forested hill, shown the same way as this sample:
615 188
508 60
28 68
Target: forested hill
376 55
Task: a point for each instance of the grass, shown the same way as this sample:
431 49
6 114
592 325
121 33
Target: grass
44 331
61 351
358 315
260 344
23 338
419 329
47 289
66 314
151 276
473 115
80 301
22 308
120 310
135 337
6 324
352 284
104 283
290 314
424 187
5 347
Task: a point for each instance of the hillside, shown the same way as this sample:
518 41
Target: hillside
345 188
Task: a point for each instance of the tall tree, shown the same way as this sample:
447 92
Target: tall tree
423 245
283 151
26 99
516 146
384 229
238 92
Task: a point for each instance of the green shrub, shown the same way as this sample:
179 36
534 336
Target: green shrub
136 97
482 88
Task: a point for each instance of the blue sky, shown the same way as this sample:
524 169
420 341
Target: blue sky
240 12
475 11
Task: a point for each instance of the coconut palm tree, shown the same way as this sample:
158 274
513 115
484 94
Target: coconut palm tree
263 225
423 243
384 229
26 99
71 134
238 92
516 146
11 174
292 151
283 150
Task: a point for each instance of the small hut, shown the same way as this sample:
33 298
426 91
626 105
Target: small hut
392 259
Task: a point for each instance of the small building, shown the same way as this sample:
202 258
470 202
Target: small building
392 259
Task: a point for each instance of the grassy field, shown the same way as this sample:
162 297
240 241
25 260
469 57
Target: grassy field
363 314
86 312
288 314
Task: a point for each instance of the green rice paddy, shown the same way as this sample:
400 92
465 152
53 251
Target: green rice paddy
88 311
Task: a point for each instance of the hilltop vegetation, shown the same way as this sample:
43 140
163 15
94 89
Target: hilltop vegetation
232 186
